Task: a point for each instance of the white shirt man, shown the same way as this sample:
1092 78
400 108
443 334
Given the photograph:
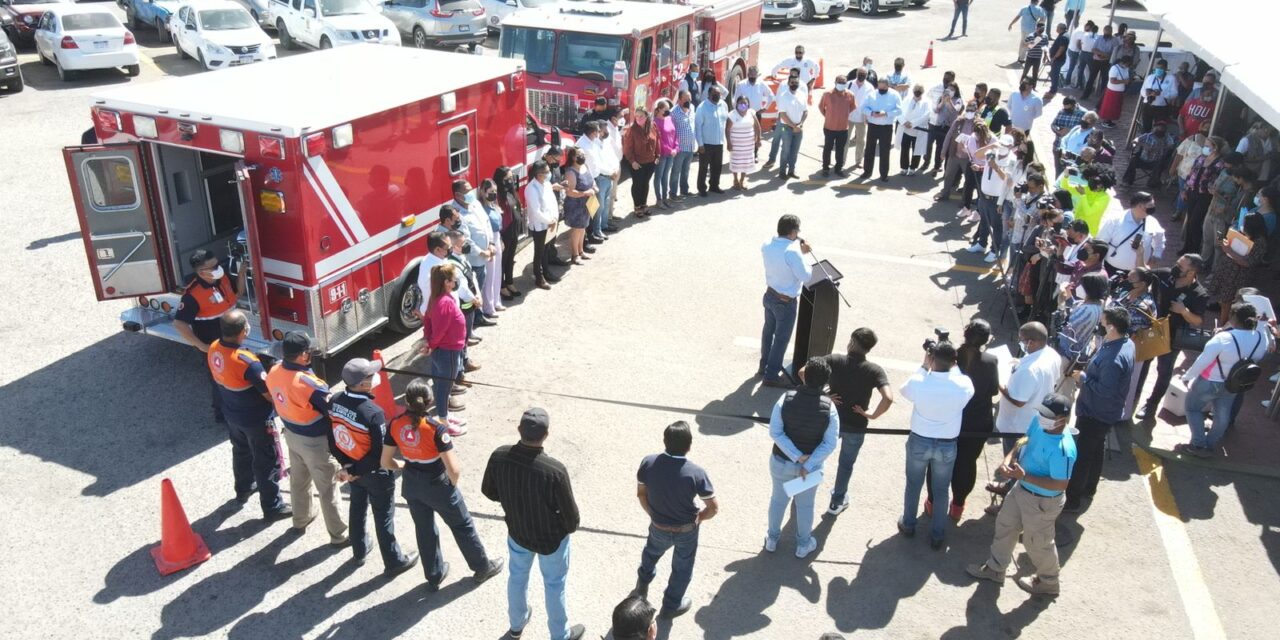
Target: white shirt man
1118 230
785 269
592 148
795 104
480 231
1024 107
430 261
541 201
938 399
1035 376
1166 89
758 94
862 92
808 68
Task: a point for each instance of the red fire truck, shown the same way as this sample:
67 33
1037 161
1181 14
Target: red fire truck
323 191
630 52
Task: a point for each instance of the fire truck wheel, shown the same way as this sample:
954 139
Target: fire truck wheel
286 40
400 314
807 12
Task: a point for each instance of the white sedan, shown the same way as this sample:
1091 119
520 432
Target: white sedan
76 38
220 34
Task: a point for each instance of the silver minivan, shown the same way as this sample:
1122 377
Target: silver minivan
434 23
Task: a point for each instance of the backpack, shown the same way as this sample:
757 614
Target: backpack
1245 372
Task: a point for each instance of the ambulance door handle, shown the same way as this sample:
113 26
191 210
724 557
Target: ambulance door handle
142 240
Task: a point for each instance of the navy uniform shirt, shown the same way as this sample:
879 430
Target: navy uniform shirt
205 322
359 427
241 382
672 483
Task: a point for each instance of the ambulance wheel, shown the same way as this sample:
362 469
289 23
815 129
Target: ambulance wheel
132 70
286 40
807 12
401 315
325 43
419 38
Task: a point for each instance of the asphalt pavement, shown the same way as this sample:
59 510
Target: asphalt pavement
666 315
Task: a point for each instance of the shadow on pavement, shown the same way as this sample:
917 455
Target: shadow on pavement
393 618
170 426
298 615
983 618
749 399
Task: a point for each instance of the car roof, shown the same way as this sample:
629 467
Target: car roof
67 9
199 5
614 17
289 95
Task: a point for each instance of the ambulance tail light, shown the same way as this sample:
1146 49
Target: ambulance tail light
108 120
143 301
144 127
69 43
271 201
166 307
315 144
271 147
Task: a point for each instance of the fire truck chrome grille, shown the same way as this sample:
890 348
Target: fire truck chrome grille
554 108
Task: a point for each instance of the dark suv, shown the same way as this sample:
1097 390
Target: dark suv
10 74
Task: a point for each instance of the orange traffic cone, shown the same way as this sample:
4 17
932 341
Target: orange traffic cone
382 393
822 74
928 57
179 547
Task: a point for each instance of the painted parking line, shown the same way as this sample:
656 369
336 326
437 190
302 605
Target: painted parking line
1196 600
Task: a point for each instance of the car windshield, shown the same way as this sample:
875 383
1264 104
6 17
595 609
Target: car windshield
537 47
83 21
588 55
344 7
225 19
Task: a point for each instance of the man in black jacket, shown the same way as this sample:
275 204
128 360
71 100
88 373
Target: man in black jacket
541 512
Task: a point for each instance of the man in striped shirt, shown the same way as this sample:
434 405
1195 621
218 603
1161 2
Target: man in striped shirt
540 512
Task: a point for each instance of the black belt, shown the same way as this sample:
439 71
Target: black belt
786 299
686 528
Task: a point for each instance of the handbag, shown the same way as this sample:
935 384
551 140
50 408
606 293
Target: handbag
1189 338
1153 341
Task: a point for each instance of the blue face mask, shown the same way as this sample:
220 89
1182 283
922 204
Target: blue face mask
1159 73
471 197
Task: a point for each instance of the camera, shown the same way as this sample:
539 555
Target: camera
942 336
991 156
1021 188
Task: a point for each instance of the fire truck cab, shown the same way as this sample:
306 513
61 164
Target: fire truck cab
630 52
324 199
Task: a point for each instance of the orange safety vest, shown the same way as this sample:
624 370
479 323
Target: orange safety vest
212 301
291 392
228 365
416 439
351 437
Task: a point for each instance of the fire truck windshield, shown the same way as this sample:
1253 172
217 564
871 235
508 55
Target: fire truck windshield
588 55
537 47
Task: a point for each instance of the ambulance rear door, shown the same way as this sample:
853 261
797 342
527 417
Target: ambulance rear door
110 187
258 300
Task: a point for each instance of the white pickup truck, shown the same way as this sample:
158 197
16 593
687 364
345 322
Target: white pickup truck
323 24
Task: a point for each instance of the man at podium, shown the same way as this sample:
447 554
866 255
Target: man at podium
785 273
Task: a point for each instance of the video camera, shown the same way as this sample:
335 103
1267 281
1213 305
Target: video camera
942 336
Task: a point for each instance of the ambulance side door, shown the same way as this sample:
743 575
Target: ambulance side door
460 147
258 297
109 186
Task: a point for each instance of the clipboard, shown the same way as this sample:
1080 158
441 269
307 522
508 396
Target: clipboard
1239 243
593 205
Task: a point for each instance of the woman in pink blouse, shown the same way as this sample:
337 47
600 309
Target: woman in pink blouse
667 148
444 330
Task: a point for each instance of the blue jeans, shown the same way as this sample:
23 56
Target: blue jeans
779 321
790 148
1055 75
686 549
1202 394
680 174
555 569
445 364
937 457
605 185
960 11
662 178
850 445
777 139
1180 204
783 471
989 223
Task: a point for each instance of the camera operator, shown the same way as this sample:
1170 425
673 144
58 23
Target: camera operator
983 370
1088 260
1184 301
1134 237
938 393
1036 282
1104 385
1026 208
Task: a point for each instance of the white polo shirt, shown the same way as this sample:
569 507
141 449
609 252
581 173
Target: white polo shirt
1118 231
938 400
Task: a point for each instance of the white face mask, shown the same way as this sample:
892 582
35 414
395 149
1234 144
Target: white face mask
218 273
841 86
377 380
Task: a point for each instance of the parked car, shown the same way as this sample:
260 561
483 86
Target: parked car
781 11
10 74
220 34
260 10
433 23
811 10
22 18
151 13
75 38
323 24
872 7
497 10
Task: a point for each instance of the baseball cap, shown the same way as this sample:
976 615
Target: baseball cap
1054 405
358 370
534 424
295 343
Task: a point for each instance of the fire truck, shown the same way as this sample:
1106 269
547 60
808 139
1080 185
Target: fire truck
325 198
632 53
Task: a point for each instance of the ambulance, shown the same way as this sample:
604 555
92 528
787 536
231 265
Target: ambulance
319 174
632 53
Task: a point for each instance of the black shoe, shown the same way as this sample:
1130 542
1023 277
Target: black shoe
792 174
642 589
494 568
559 262
514 634
278 514
826 172
717 190
685 604
410 560
905 531
611 228
577 631
482 321
702 194
588 248
884 178
937 544
842 173
865 176
243 496
434 585
779 382
594 240
551 278
782 175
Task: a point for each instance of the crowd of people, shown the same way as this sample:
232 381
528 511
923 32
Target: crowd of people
1083 282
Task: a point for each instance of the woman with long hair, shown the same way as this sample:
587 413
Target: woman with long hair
983 370
640 150
1233 269
579 186
430 485
1198 192
488 192
514 224
668 146
444 331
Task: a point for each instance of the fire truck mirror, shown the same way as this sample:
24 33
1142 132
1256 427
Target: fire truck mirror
620 74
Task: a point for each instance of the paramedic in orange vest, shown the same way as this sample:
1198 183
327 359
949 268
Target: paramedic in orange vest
241 382
430 486
206 298
359 428
302 401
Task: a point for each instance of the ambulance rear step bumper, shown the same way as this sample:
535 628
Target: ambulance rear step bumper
160 324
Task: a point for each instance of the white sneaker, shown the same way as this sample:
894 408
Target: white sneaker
804 551
770 544
1274 379
455 431
1266 404
976 248
963 212
838 508
991 257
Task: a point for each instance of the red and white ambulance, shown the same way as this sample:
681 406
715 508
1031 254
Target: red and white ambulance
324 190
630 52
